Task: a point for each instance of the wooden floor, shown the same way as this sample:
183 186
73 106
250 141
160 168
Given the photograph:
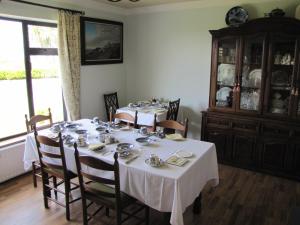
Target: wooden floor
242 198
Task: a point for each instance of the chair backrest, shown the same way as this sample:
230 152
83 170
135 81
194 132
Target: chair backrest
47 156
34 120
127 117
173 125
111 103
97 164
173 110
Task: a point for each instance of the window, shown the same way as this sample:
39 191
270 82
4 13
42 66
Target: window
29 74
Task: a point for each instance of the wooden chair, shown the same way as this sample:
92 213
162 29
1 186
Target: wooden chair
55 170
111 104
172 126
173 110
103 191
127 117
34 121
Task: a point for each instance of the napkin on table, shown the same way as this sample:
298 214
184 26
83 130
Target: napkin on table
98 146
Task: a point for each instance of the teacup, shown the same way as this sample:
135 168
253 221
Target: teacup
109 139
102 137
143 130
154 160
82 141
96 120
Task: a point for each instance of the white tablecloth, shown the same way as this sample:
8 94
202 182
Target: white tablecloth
145 114
167 189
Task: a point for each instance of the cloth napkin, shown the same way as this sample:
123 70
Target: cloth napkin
175 137
95 147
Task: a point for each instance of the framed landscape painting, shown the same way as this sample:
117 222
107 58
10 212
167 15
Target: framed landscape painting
101 41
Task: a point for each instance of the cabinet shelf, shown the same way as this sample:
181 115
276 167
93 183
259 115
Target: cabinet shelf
278 88
230 63
250 88
252 64
225 85
283 65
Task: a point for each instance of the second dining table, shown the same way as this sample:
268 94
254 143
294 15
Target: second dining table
146 111
168 188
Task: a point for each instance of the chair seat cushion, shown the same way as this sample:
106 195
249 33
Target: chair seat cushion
60 173
93 192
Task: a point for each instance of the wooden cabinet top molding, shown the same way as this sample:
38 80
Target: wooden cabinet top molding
266 24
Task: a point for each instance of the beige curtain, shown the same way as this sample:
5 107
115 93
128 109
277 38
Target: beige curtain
69 56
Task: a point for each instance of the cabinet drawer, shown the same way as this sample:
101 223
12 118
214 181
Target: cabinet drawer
275 130
217 122
247 126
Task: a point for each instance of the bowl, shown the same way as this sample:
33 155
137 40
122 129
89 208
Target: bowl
100 128
144 141
72 126
56 128
81 131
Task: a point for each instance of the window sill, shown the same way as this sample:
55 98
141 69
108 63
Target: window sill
12 141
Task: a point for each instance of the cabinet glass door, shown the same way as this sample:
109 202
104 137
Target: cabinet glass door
250 80
281 74
227 57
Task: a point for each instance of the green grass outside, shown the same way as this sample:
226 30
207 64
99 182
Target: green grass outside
20 74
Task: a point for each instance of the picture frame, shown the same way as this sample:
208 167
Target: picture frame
101 41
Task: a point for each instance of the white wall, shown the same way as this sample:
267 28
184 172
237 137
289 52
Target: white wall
169 54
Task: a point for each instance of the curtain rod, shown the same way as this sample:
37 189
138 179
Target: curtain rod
47 6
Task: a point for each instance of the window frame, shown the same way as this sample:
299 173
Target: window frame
29 51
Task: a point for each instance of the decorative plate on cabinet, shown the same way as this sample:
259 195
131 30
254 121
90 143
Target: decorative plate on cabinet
223 93
280 78
255 78
226 74
236 16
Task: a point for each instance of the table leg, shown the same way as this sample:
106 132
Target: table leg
197 204
167 217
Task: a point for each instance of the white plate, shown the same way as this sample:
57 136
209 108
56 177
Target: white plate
255 78
184 154
226 74
223 93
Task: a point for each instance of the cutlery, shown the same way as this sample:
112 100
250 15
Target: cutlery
131 159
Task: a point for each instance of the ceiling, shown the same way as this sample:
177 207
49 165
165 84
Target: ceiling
128 4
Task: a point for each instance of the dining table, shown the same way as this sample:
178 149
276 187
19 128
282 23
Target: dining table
146 111
166 188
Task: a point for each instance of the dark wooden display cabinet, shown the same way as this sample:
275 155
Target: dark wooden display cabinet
254 105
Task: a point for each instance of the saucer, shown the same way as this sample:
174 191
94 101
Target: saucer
122 147
125 154
184 154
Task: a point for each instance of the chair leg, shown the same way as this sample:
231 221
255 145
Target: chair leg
34 174
46 191
119 217
107 211
55 186
67 191
147 215
167 216
84 212
197 204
